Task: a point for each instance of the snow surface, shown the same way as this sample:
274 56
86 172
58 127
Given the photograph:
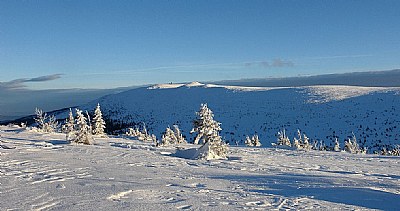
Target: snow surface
43 172
322 112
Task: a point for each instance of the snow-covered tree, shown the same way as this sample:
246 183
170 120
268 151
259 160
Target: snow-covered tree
83 134
322 146
46 124
144 135
69 125
168 137
207 130
98 123
296 143
336 148
205 126
283 140
352 146
306 142
248 141
41 117
256 141
179 137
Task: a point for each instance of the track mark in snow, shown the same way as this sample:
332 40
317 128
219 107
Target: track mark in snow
258 203
184 207
46 205
118 196
42 202
280 205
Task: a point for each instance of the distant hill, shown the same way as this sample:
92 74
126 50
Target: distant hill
322 112
389 78
19 103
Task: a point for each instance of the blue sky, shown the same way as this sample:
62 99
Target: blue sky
104 44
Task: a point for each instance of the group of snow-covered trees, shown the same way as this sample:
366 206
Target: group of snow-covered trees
172 136
142 135
303 142
254 141
80 129
206 130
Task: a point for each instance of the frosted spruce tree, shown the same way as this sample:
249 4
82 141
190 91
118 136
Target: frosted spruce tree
69 125
207 130
98 123
83 134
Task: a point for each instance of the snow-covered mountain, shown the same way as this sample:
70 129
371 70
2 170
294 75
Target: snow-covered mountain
322 112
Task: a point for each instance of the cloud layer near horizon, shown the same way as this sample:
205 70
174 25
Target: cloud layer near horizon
21 82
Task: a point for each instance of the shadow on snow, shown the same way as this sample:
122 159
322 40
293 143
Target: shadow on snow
317 187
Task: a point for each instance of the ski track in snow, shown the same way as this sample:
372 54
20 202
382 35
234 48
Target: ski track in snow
121 174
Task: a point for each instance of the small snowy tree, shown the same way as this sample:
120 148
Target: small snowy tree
69 125
98 123
248 141
322 146
283 140
306 143
83 134
178 135
352 146
46 124
168 137
296 143
207 130
336 148
41 117
256 141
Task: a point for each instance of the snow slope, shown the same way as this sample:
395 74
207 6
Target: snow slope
43 172
322 112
